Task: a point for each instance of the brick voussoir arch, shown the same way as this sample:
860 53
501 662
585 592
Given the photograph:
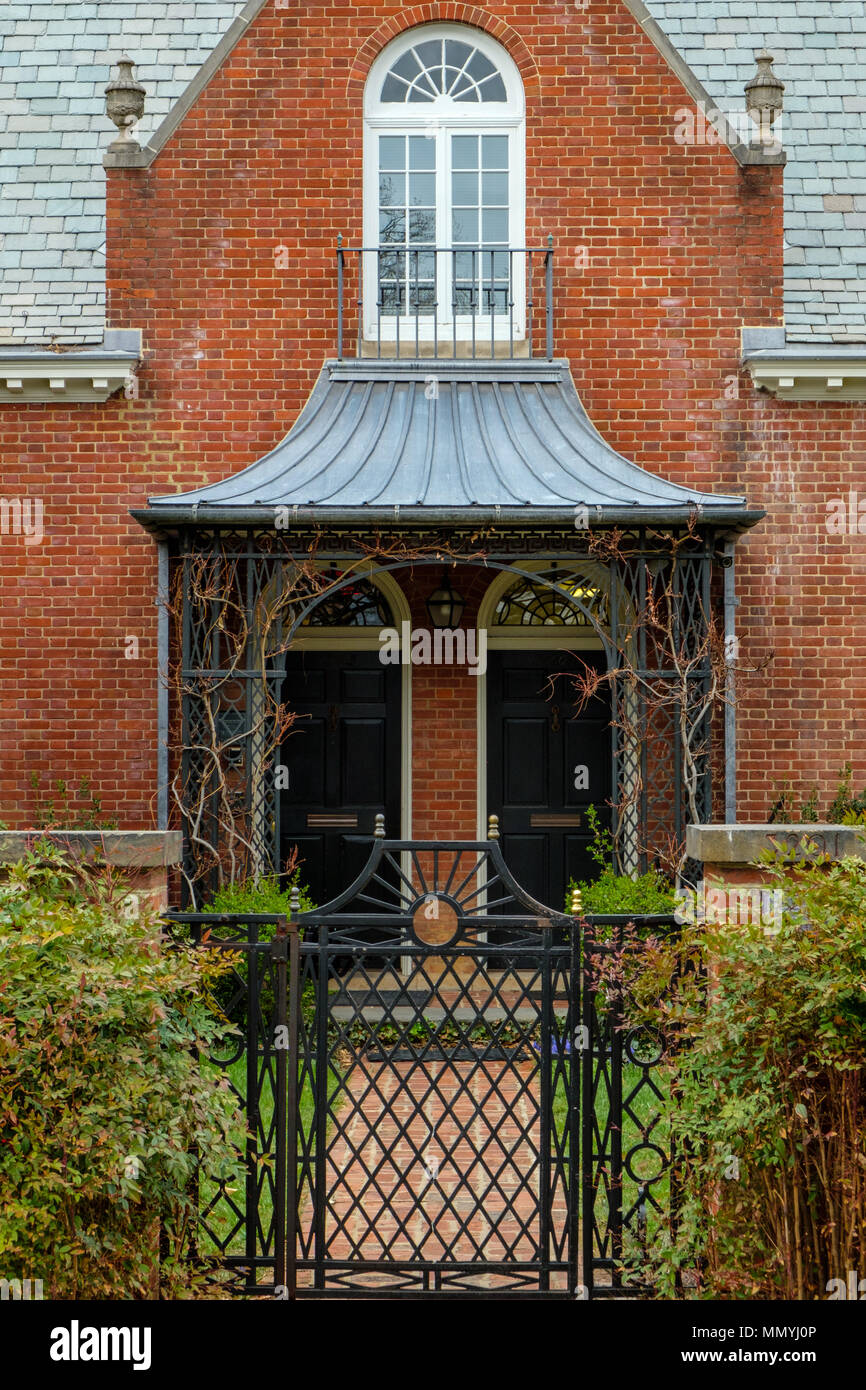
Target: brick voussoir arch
445 12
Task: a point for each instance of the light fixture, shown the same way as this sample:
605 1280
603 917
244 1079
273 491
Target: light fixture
444 605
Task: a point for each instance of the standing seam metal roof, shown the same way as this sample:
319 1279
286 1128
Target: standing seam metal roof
380 436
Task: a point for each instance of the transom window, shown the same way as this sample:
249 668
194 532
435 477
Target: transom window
531 603
444 186
444 67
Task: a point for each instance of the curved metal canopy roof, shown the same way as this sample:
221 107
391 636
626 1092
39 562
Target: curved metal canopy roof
444 441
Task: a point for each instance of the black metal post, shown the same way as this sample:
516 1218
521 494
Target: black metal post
293 1116
279 958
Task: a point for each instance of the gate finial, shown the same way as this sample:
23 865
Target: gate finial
493 827
295 900
576 903
379 828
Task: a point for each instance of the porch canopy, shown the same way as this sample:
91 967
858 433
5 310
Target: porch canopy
453 442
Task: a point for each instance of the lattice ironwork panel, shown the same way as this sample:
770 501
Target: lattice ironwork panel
627 1154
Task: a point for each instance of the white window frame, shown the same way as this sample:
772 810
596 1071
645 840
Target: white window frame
439 120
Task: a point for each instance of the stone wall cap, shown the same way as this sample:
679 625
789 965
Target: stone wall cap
743 844
138 849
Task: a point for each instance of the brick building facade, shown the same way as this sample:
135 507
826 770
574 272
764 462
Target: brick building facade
221 242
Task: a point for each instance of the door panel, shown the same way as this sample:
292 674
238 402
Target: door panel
546 765
343 757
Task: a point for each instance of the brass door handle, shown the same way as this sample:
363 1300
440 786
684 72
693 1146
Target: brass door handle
555 726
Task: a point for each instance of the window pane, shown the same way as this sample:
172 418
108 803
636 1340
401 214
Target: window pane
456 53
495 151
494 189
422 226
422 265
495 224
393 89
420 93
391 265
392 226
465 225
422 152
392 152
493 89
407 66
464 189
392 189
479 66
422 190
464 151
465 93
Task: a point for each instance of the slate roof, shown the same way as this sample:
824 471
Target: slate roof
495 440
820 52
55 62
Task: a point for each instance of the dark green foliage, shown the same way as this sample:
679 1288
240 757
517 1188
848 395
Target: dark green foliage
104 1102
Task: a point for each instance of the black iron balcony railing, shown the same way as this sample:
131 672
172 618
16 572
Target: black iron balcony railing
445 301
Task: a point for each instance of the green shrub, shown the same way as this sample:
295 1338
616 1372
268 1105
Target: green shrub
769 1103
264 895
104 1102
611 892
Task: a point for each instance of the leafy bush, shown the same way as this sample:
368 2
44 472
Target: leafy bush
611 892
104 1102
769 1101
264 895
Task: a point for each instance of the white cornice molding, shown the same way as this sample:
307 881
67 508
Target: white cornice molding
39 376
797 372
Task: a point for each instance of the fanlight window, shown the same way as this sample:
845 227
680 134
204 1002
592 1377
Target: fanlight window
531 603
357 605
443 68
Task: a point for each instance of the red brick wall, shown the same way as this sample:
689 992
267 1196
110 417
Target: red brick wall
683 248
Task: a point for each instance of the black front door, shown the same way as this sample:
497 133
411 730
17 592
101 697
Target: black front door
546 764
343 762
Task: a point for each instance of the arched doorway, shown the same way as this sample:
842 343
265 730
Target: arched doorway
347 754
542 764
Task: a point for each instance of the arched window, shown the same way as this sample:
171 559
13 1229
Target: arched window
527 603
360 604
444 185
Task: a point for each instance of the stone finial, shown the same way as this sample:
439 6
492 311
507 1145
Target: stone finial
124 104
764 95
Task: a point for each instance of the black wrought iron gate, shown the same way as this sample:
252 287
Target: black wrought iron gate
411 1061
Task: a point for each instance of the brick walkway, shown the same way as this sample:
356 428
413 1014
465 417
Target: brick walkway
436 1160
